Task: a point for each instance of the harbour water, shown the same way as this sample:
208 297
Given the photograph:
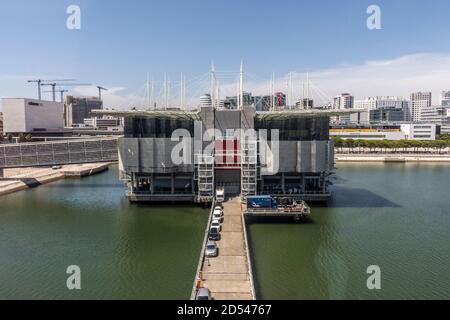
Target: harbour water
395 216
124 251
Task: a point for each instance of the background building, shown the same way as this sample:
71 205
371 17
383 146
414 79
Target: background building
21 115
445 98
368 133
1 122
419 131
418 101
343 101
439 115
104 123
76 109
205 101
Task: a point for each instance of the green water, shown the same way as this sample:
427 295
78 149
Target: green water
124 251
394 216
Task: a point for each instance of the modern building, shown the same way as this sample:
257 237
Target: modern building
1 122
294 160
418 101
368 133
76 109
419 131
344 101
305 104
379 115
262 103
445 98
104 123
22 115
372 103
205 100
439 115
232 102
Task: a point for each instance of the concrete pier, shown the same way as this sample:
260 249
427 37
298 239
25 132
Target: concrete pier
229 276
23 178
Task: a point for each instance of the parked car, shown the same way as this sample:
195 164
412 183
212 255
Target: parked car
211 249
217 215
203 294
216 223
214 233
218 208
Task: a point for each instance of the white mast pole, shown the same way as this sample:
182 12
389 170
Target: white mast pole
184 92
152 102
165 91
148 90
168 92
181 92
213 84
273 92
241 86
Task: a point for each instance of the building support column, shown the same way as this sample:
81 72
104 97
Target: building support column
2 172
172 183
282 183
152 183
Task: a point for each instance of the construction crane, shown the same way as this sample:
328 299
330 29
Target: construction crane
100 92
61 92
40 81
54 84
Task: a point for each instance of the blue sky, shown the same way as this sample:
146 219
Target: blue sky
120 41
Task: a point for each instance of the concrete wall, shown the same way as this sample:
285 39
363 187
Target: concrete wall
26 115
306 156
151 155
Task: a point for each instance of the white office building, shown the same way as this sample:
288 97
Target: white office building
418 101
445 98
372 103
343 101
439 115
21 115
205 101
419 131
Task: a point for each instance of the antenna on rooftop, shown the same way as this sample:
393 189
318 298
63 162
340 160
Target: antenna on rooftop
100 89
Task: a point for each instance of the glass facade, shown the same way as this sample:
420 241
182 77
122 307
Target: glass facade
296 129
141 127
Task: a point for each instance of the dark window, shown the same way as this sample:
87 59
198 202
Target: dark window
140 127
297 129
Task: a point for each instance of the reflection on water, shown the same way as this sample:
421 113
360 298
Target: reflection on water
394 216
124 251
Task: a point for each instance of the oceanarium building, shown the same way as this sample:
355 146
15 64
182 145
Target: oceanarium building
183 156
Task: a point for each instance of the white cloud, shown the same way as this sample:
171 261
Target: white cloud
398 76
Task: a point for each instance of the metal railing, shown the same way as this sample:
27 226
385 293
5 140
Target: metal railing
58 152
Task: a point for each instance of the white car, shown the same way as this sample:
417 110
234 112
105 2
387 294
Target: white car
216 224
217 215
218 208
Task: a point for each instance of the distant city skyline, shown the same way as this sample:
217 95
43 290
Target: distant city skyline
120 42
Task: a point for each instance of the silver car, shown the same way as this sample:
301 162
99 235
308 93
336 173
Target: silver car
211 249
203 294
